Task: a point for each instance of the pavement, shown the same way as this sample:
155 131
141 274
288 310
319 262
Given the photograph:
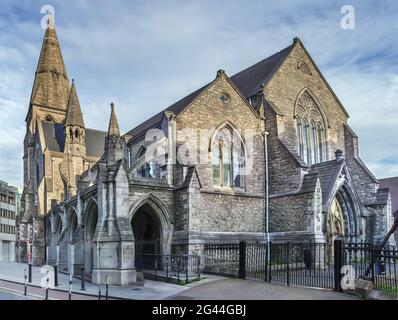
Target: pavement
237 289
209 288
13 274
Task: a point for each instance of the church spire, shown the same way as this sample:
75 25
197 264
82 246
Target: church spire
114 148
113 129
74 115
51 84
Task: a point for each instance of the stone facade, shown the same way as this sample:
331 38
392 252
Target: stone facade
194 173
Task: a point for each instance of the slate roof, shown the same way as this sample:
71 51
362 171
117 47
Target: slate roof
328 174
382 196
176 108
248 81
292 150
392 184
309 182
54 137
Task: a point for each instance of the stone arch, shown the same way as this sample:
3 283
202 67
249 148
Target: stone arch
303 67
49 118
233 128
90 226
306 90
72 224
57 226
158 212
232 152
311 128
347 199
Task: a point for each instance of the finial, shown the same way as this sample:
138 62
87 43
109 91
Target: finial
112 105
220 72
50 21
73 79
296 39
339 155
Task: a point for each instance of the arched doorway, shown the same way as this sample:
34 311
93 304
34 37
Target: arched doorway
147 234
335 222
91 225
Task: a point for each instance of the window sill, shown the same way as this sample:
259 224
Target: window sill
230 190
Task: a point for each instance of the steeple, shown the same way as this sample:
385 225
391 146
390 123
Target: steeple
51 84
113 129
114 151
74 116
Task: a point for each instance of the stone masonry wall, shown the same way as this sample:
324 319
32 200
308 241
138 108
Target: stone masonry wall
286 85
225 208
291 213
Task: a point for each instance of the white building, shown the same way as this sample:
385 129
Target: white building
8 210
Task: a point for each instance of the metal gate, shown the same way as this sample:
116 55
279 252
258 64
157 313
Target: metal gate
295 264
306 264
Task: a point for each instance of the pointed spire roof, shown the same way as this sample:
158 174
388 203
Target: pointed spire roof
50 55
113 129
74 116
51 84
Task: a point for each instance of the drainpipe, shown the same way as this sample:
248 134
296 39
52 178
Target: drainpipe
266 185
266 182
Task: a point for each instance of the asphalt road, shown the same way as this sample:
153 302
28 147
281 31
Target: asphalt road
9 295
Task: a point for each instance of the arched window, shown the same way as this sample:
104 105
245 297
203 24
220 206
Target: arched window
313 143
227 159
310 130
305 141
320 142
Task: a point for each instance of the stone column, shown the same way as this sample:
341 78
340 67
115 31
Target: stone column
172 157
22 254
114 243
38 244
77 251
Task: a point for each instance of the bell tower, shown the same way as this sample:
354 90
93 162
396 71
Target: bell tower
74 160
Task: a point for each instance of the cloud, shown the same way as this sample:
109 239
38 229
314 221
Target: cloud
145 55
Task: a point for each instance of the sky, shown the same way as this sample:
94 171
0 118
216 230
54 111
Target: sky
145 55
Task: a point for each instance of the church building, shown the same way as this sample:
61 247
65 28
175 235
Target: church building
264 154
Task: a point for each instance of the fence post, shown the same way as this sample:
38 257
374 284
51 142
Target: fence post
338 263
82 279
198 265
287 264
30 273
242 259
26 285
186 270
266 264
55 276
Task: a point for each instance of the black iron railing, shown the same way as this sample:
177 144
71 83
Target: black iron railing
221 259
371 262
172 268
305 264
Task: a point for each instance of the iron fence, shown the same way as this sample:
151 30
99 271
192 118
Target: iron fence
222 259
371 262
304 264
172 268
